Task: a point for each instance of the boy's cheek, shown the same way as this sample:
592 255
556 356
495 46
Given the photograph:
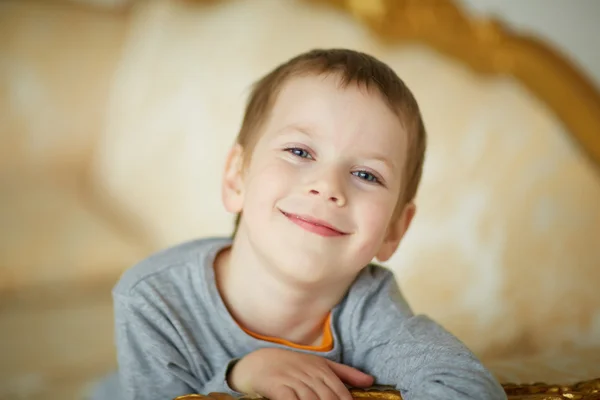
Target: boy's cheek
376 214
264 189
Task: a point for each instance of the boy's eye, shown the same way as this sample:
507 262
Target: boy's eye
367 176
299 152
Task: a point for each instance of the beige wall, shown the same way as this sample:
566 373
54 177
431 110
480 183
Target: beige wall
504 250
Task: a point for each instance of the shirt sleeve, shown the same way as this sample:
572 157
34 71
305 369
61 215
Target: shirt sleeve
414 353
153 354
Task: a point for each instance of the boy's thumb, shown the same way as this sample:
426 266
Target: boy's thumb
351 376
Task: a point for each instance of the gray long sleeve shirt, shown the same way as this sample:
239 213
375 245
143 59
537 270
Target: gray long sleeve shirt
175 336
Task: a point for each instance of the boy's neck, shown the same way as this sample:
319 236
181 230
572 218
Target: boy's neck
268 306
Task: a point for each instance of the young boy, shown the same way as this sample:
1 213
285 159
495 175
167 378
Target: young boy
322 176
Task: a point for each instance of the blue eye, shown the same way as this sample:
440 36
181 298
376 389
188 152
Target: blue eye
299 152
366 176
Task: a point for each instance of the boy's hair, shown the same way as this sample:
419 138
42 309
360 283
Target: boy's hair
352 67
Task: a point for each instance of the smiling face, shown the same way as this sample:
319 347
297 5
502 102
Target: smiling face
323 181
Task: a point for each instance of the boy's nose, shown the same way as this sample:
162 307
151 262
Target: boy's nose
330 189
340 201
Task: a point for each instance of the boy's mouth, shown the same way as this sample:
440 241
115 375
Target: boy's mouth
314 225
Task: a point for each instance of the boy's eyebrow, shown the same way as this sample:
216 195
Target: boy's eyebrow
379 157
298 128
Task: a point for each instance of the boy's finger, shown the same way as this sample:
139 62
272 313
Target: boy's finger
279 392
339 390
350 376
306 392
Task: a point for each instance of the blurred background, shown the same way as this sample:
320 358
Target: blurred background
115 117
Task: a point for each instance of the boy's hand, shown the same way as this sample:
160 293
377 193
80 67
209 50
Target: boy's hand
287 375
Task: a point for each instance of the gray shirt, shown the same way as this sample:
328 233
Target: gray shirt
175 336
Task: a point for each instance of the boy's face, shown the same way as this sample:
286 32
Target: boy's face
323 182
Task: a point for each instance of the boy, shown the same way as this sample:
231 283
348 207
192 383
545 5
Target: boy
322 176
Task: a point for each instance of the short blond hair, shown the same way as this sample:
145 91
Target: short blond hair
352 67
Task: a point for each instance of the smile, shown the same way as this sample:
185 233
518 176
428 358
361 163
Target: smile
314 225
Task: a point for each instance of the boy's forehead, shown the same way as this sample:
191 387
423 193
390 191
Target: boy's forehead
314 85
324 99
320 95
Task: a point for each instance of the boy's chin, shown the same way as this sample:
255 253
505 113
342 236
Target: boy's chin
311 269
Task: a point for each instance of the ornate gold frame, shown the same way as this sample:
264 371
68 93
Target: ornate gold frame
587 390
489 47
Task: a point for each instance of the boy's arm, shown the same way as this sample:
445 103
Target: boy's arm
154 355
413 353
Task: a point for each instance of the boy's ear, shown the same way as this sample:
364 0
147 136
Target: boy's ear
396 232
232 193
